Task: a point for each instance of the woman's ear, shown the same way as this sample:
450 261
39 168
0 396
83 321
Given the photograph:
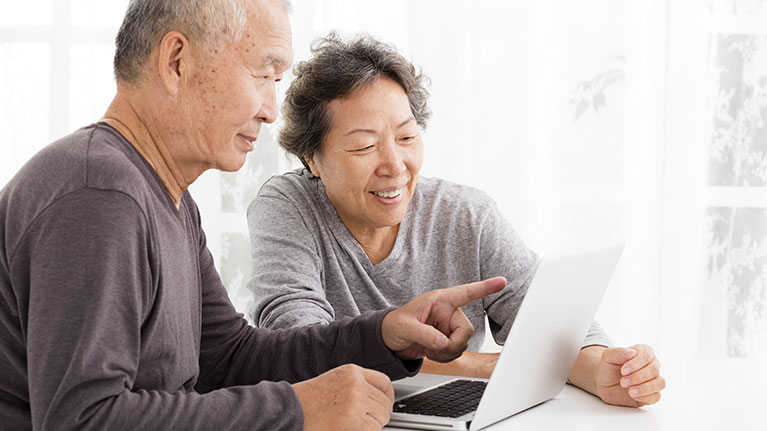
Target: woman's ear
312 163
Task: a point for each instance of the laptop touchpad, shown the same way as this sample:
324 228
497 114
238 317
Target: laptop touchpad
402 391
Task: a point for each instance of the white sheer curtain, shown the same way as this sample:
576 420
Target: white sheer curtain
586 120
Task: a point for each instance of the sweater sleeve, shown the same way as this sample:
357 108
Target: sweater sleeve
234 353
287 268
504 253
87 259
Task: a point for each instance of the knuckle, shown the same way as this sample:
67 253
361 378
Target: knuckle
662 382
350 369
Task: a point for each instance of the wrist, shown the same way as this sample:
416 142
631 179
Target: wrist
586 368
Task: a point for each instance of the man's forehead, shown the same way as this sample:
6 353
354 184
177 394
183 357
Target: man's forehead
267 35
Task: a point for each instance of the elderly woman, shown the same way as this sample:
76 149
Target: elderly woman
358 229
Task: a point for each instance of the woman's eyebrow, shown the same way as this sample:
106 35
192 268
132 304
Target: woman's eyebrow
361 131
402 124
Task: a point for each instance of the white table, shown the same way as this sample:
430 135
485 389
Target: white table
682 408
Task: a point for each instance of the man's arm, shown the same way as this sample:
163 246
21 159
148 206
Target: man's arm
234 353
431 325
90 288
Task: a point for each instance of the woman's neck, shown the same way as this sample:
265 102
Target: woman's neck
377 242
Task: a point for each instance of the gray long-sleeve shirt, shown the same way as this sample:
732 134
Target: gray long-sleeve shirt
308 268
112 315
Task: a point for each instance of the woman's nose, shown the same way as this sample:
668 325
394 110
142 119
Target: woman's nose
392 160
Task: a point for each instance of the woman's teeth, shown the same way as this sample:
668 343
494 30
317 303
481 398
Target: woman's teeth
391 194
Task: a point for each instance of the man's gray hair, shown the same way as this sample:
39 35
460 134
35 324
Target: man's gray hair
212 22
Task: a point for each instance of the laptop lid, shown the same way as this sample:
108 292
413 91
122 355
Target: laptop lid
546 336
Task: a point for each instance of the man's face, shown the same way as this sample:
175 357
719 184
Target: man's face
232 89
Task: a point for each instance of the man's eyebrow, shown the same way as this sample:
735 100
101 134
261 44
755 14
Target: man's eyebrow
271 60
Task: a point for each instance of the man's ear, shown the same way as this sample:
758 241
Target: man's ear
173 60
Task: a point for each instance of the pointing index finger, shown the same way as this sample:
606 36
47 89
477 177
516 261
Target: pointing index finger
458 296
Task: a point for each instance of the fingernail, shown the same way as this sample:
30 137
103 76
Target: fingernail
630 353
633 392
625 382
441 342
626 370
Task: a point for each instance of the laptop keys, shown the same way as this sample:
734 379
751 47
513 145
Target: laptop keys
451 400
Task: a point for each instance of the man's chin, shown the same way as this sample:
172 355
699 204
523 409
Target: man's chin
232 165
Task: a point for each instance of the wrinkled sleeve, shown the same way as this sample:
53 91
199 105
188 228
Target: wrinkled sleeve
90 283
286 279
504 253
234 353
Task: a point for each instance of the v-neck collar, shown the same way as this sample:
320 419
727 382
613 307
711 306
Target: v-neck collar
350 244
157 186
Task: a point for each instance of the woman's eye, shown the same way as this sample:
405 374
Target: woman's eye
407 138
362 150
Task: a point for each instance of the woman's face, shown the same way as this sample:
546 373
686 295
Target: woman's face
371 156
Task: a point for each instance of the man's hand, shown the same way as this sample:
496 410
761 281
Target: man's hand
346 398
629 376
432 325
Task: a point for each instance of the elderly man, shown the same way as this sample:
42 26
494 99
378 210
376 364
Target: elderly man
112 315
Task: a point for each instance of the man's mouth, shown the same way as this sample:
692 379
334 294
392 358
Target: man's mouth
249 139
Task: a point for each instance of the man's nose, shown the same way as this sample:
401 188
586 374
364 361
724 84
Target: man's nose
268 111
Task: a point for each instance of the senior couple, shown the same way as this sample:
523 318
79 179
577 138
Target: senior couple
112 314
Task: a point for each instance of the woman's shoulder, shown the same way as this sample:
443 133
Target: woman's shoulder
296 188
444 194
289 183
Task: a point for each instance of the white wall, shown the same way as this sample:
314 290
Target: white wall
644 161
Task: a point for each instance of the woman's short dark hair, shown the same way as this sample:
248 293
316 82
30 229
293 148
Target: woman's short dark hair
336 70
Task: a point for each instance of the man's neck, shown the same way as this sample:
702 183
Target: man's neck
148 139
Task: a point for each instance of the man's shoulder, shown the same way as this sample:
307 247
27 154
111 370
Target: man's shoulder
90 158
94 156
113 164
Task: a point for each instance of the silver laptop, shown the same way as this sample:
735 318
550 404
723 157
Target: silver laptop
538 354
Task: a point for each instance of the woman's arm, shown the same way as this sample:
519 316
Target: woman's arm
620 376
286 279
470 364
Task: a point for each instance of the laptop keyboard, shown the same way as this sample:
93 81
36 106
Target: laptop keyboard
450 400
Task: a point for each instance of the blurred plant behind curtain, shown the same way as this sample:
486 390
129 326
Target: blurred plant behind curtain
586 120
